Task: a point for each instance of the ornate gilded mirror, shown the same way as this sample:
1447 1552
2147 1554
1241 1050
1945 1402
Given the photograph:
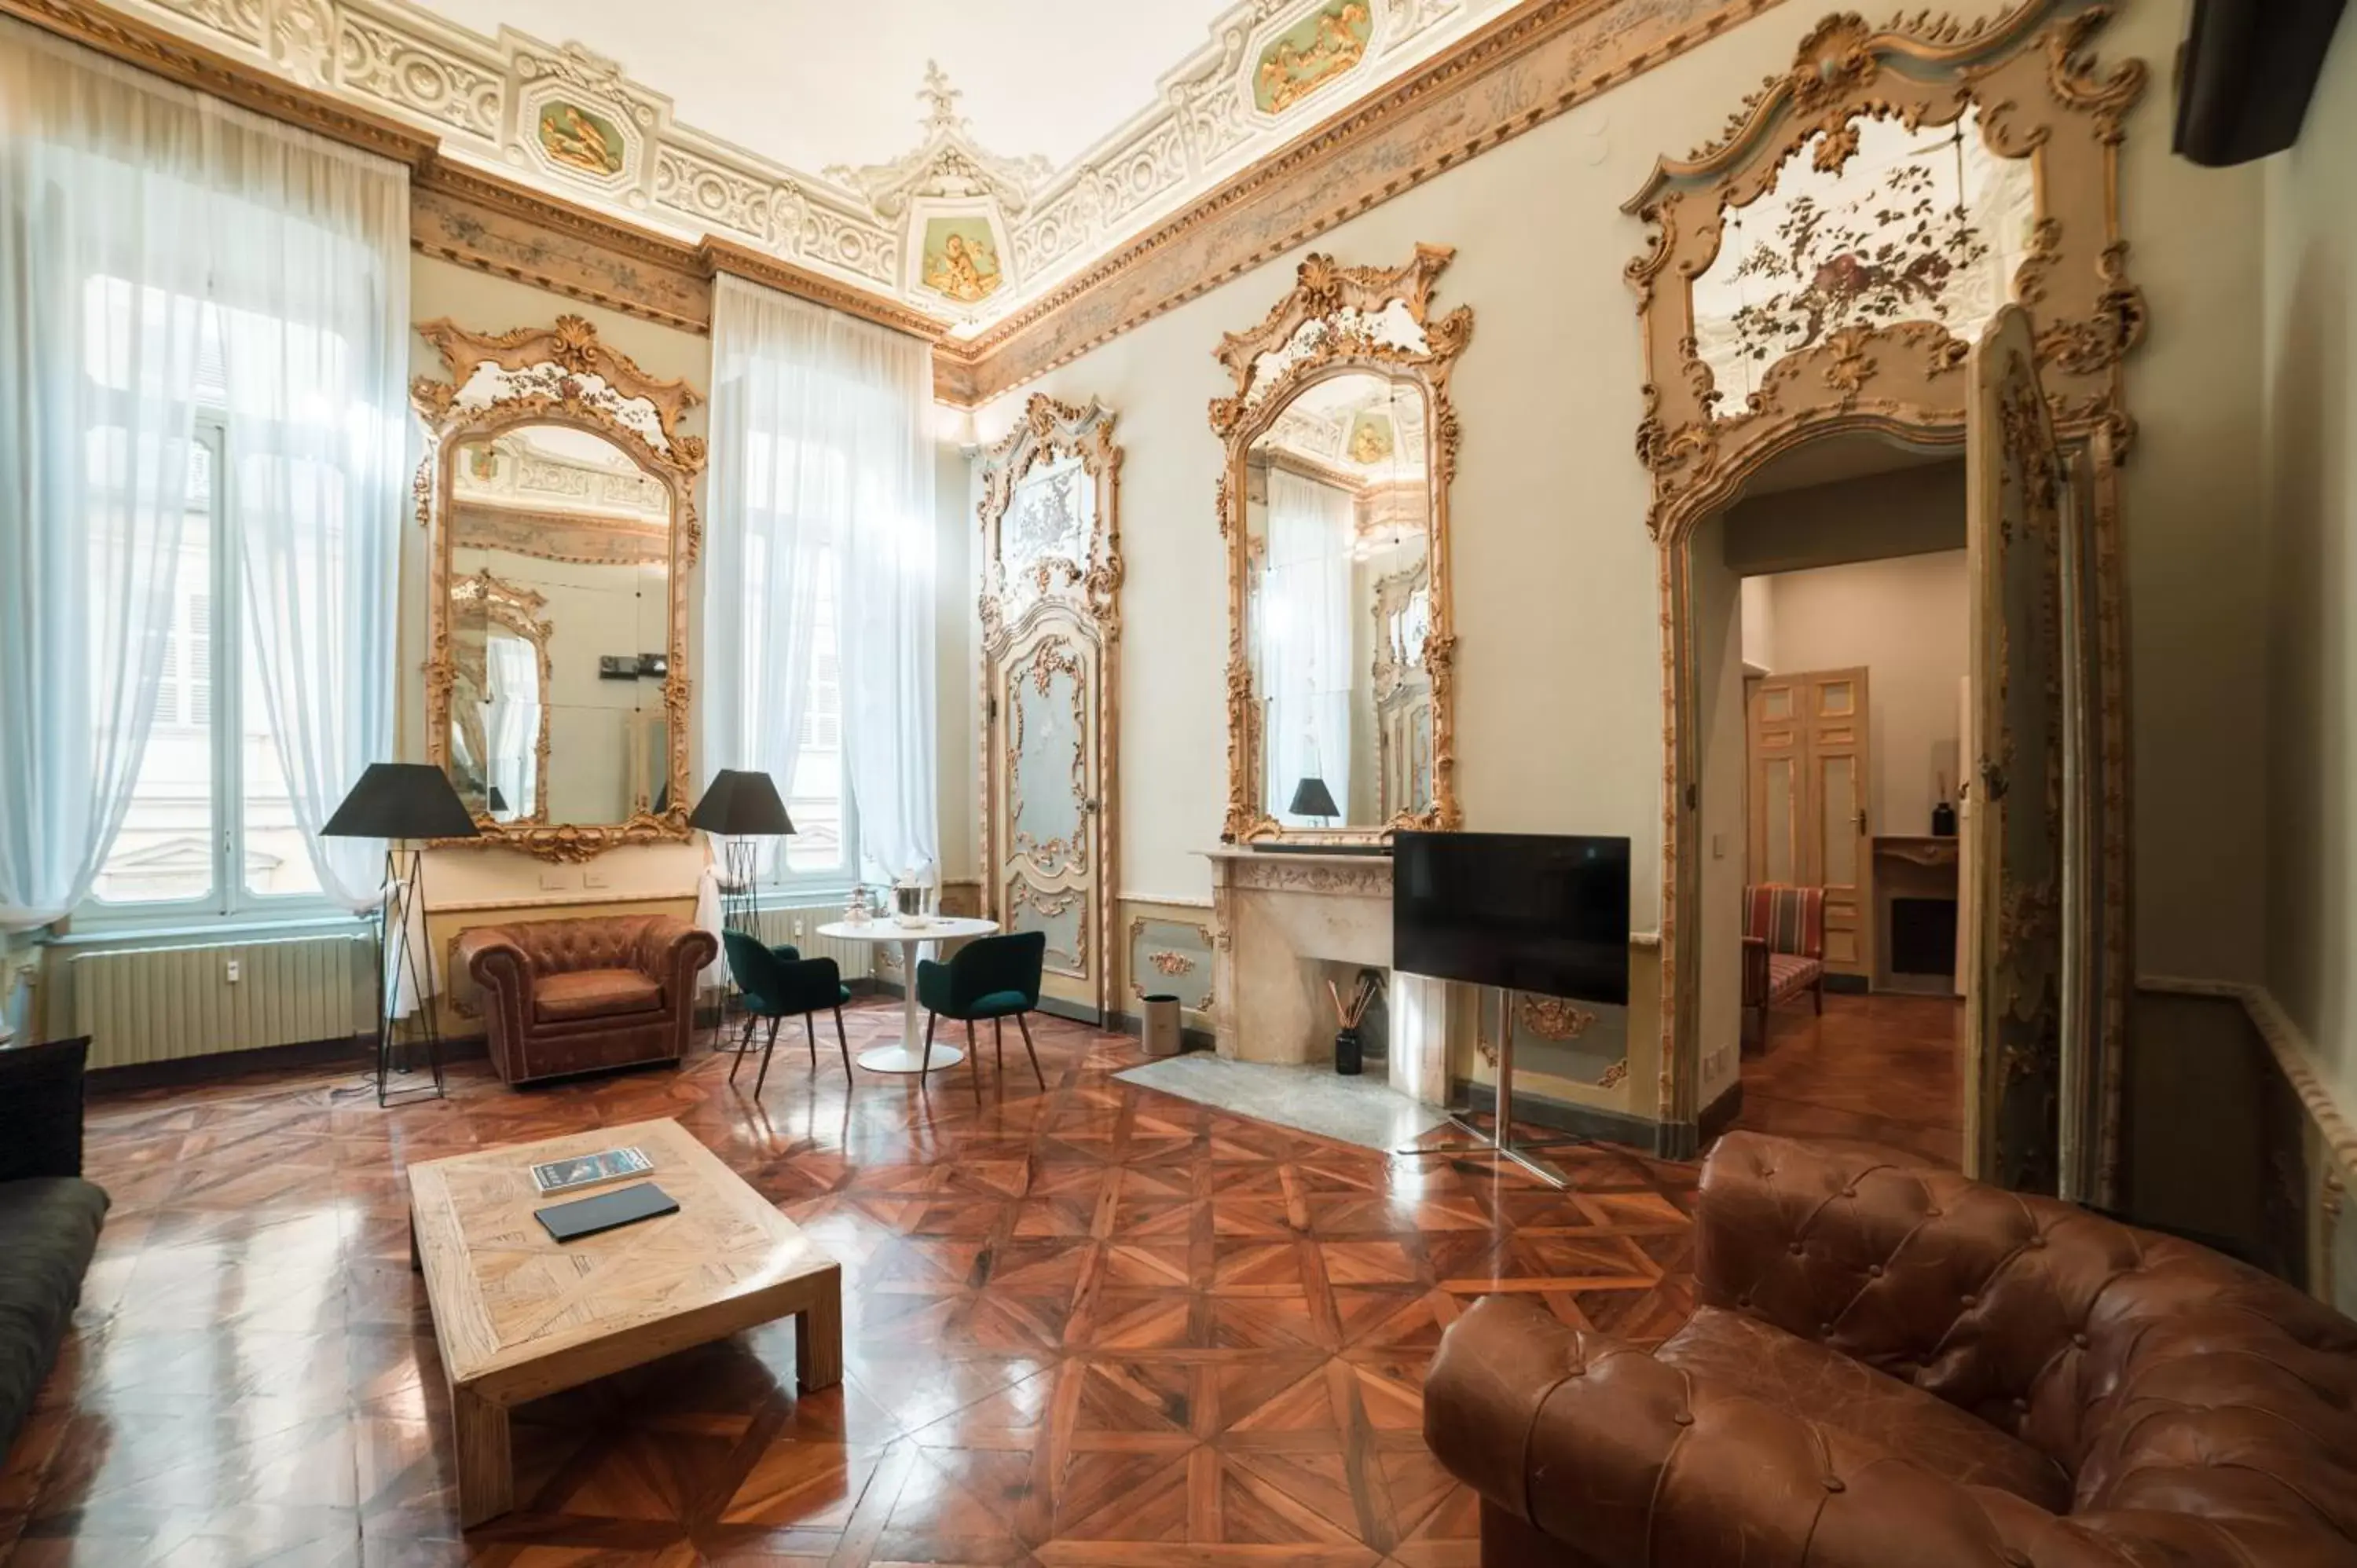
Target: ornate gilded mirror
1340 442
558 490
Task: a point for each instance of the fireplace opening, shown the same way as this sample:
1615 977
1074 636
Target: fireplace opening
1923 936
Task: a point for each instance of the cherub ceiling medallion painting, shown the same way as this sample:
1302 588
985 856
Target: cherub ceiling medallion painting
960 259
580 137
1309 54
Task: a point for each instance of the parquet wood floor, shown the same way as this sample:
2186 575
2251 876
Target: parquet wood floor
1093 1325
1879 1068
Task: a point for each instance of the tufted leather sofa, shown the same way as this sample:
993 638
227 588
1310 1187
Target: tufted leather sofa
570 996
1897 1368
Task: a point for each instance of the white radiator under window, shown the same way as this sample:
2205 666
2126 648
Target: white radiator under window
800 925
152 1004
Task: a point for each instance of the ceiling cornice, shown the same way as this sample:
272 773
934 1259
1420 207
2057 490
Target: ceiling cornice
1529 65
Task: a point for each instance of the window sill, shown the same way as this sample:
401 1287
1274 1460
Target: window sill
199 929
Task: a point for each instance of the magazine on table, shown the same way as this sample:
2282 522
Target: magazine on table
589 1170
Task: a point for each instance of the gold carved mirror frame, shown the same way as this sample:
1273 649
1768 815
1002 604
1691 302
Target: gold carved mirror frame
562 375
2040 95
1331 325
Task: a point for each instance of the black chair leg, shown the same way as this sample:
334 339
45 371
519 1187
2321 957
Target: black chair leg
973 1058
741 1048
841 1044
927 1065
769 1045
1027 1051
810 1028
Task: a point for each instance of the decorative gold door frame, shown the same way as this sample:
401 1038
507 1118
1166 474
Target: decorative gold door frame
2041 95
1333 322
1063 594
559 375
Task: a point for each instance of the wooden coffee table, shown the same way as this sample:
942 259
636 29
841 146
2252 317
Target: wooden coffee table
519 1316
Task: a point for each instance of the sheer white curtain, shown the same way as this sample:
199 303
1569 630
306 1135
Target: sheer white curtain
781 499
512 721
311 277
823 453
101 292
1306 640
136 216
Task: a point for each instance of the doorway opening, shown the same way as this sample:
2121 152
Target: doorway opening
1833 598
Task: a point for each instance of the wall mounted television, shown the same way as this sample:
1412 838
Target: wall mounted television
1537 912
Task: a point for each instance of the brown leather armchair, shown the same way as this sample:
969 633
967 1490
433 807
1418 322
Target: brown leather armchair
1897 1368
570 996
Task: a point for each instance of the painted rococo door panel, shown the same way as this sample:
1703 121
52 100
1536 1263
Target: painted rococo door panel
1050 622
2014 501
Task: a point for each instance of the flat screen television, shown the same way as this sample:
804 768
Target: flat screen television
1534 912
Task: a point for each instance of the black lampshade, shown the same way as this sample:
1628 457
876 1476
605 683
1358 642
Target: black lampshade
1312 798
740 802
497 802
401 800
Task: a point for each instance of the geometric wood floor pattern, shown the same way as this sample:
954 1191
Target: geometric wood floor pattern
1095 1325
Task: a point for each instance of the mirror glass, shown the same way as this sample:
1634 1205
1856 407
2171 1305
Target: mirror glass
1338 516
559 584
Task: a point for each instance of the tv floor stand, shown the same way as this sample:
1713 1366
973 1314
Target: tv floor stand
1500 1139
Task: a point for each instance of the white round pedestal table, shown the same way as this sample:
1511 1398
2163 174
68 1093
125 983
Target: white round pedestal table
907 1054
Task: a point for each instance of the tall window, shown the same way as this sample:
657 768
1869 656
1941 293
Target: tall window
825 846
210 826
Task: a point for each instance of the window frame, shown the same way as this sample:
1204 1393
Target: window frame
230 901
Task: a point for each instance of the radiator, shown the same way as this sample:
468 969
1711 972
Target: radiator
152 1004
800 925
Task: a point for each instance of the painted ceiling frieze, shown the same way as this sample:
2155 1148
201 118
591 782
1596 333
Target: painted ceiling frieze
965 233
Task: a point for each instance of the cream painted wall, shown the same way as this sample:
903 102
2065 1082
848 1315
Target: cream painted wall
1558 608
1907 620
2310 347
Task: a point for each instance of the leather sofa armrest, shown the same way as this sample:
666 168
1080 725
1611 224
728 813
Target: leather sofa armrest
1636 1465
494 959
671 952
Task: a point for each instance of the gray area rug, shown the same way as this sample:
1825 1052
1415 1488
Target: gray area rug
1312 1098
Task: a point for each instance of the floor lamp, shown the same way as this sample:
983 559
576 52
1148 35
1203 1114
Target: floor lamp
398 803
740 806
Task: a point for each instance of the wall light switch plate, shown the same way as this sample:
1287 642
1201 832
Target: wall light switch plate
592 879
554 880
1718 846
236 972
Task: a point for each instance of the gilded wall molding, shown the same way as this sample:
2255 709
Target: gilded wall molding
2030 77
563 375
1339 319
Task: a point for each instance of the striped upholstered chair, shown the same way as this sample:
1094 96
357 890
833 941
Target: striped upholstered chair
1783 947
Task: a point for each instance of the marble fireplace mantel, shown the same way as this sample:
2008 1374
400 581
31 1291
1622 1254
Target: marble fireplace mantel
1281 917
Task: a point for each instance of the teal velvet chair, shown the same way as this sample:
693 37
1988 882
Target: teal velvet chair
779 983
996 978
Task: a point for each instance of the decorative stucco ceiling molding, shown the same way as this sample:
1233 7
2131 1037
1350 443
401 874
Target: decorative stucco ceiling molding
577 126
823 243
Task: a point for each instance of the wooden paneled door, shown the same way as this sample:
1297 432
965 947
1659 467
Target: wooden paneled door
1050 631
1810 752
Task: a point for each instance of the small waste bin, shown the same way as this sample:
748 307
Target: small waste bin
1162 1026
